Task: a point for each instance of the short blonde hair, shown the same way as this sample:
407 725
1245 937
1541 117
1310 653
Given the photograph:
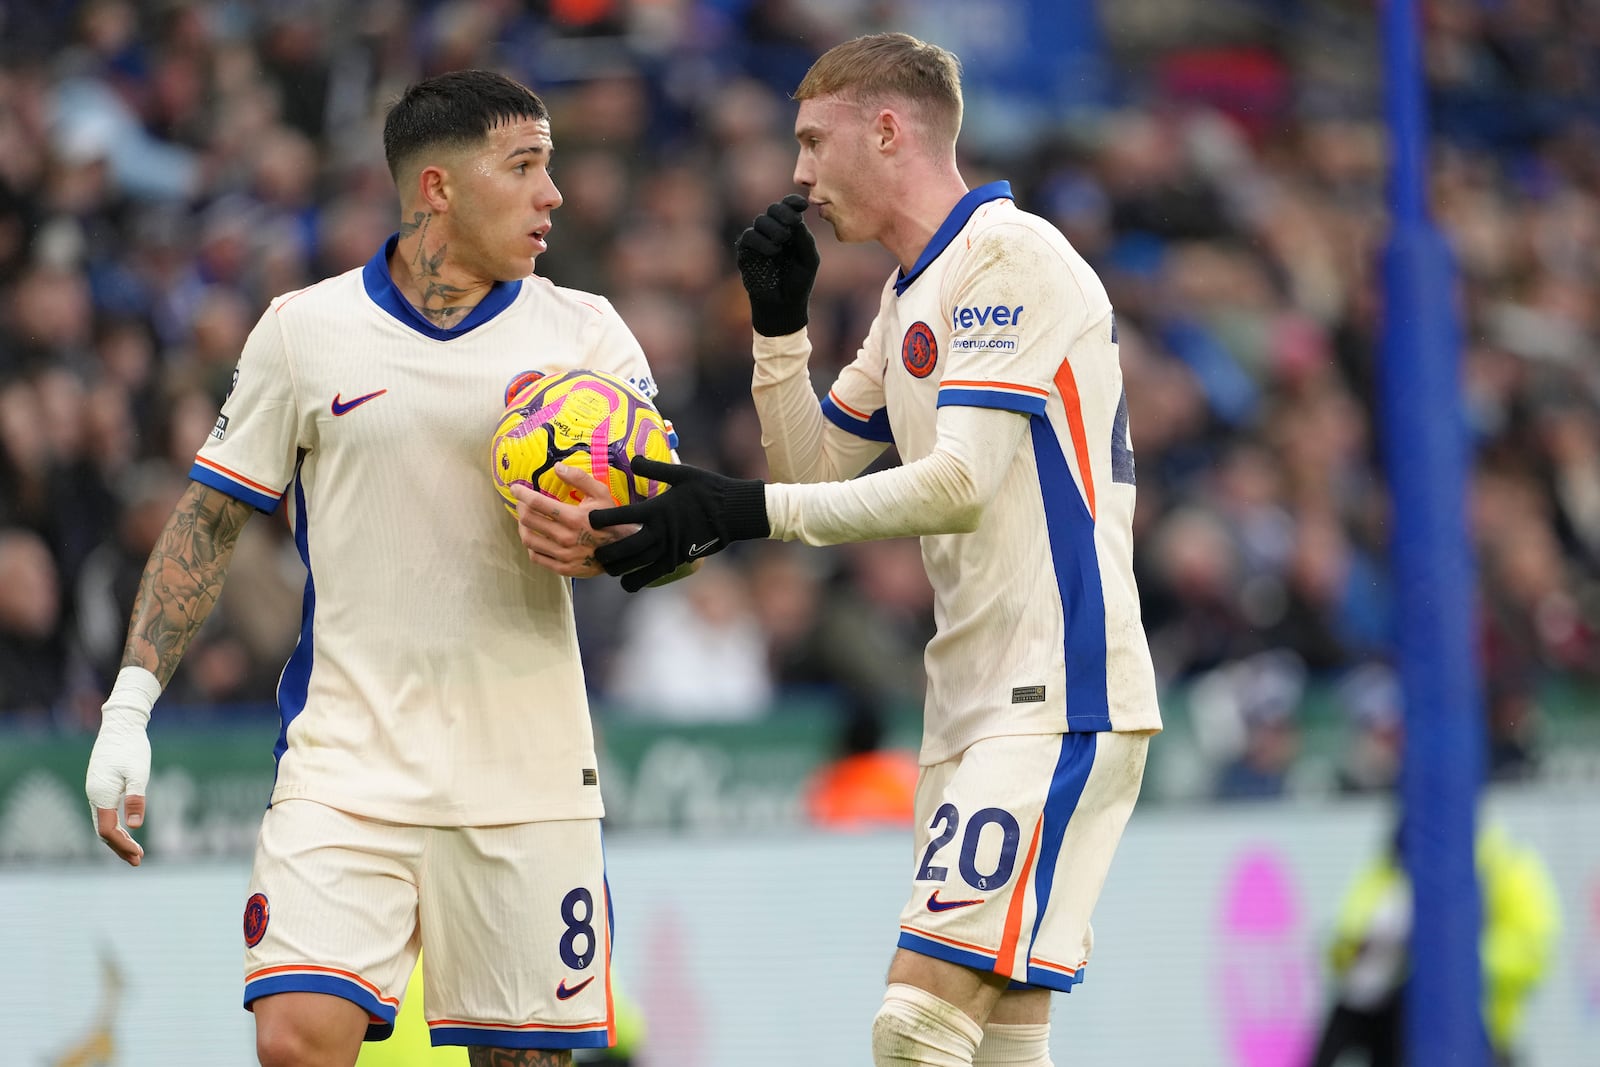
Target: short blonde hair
867 69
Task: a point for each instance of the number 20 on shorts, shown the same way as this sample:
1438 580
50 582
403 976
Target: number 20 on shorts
947 824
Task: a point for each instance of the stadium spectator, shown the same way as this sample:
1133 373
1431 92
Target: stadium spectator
1248 715
866 785
693 653
876 620
1369 697
1368 953
110 575
787 593
34 660
159 162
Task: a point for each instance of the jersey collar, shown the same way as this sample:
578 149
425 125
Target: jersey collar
953 224
381 288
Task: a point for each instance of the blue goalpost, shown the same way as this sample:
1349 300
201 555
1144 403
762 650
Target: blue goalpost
1428 458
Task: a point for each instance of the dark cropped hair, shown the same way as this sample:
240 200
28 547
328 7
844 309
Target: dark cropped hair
454 110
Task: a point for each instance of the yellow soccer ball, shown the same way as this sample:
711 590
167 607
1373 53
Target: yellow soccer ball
586 419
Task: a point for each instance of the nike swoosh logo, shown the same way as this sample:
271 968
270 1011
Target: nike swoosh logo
935 904
339 408
563 993
700 550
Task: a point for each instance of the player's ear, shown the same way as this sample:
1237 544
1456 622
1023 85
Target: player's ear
887 130
433 188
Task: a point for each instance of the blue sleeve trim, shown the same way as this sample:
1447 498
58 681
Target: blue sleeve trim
672 439
491 1037
380 1016
1040 978
988 398
223 484
875 428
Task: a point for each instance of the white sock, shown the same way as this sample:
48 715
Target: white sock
1014 1045
914 1028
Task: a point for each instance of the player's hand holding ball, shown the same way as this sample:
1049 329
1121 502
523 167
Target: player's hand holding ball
557 534
778 261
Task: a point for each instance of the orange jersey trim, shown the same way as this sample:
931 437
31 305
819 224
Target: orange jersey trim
847 409
1013 927
1067 385
1034 961
300 968
598 1024
236 476
965 383
947 940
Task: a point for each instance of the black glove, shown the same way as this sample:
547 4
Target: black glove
699 515
778 262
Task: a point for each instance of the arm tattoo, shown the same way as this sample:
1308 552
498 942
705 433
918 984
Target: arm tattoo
478 1056
182 579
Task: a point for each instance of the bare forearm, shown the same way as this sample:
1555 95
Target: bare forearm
183 579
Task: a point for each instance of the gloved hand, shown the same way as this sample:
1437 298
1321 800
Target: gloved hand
119 764
701 514
778 261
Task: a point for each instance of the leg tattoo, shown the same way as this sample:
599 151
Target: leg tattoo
478 1056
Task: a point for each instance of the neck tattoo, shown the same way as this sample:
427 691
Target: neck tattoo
440 300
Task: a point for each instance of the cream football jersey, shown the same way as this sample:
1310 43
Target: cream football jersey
1039 627
436 680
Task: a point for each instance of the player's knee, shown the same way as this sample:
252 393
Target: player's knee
285 1039
280 1045
914 1028
1014 1045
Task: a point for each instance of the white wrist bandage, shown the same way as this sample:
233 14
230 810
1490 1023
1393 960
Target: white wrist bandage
119 765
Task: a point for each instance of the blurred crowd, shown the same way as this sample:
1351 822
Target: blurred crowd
167 167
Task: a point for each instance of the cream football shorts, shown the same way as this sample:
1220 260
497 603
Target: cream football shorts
515 920
1013 842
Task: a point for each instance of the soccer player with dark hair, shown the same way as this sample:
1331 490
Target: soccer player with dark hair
436 778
